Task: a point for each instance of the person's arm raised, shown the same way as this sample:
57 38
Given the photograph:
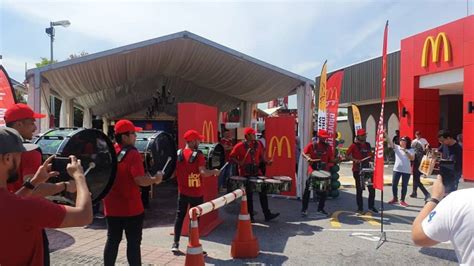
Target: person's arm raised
81 213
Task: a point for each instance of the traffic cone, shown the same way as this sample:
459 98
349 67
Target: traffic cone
245 244
194 254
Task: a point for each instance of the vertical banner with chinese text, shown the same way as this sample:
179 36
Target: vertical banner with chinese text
281 144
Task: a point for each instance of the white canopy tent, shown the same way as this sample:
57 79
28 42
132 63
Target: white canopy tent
122 81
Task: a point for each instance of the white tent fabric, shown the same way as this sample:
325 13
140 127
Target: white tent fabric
122 81
304 129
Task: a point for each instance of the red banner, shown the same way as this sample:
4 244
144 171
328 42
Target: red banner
280 139
7 95
333 91
200 117
379 160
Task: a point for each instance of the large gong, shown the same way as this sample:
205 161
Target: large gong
214 153
88 145
155 148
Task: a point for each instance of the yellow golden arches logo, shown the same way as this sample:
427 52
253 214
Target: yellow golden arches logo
435 45
279 143
208 131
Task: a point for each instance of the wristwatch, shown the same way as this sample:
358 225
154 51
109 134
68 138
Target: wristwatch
435 201
28 184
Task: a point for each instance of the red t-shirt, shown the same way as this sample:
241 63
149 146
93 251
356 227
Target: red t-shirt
239 152
30 162
188 174
226 142
322 151
22 220
359 151
124 199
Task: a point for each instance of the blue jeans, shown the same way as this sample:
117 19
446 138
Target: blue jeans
396 179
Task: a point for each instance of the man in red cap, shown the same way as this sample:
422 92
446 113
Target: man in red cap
248 155
22 118
123 205
361 154
319 155
190 169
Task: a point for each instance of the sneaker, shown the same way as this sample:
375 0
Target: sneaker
360 212
413 195
374 210
271 216
323 212
175 247
393 201
403 203
304 214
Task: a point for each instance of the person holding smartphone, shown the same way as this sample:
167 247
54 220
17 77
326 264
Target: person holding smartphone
23 219
451 159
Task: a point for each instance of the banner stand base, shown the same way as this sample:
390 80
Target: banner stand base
383 239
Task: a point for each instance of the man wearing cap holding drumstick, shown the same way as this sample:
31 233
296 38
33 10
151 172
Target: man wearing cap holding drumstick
318 154
361 154
22 118
190 169
248 155
123 206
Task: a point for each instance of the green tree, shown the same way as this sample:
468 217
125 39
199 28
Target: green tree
44 62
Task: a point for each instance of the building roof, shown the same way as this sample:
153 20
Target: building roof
122 81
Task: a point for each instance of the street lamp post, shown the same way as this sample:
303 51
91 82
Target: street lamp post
50 32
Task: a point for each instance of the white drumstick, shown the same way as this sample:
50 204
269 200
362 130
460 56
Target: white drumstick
225 165
164 167
368 157
91 166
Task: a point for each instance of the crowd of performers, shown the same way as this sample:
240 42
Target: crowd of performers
23 184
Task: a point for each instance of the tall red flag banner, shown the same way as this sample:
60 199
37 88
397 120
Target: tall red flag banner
379 160
7 96
333 92
280 138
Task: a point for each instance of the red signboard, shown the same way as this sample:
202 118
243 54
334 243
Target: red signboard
7 95
281 144
333 92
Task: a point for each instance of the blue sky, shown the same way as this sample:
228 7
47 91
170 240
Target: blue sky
294 35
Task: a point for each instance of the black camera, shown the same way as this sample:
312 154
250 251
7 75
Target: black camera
59 164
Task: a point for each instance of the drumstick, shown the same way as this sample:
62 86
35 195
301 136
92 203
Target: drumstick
91 166
224 166
164 167
368 157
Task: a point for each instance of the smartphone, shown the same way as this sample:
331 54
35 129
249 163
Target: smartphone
59 164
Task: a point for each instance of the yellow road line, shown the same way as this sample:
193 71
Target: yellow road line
368 218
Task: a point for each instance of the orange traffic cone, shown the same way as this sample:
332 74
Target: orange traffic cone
245 244
194 254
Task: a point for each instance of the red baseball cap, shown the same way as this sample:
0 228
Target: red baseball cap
124 126
192 134
249 130
361 132
323 133
20 111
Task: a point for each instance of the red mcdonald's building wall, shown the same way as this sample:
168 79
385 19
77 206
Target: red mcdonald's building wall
443 48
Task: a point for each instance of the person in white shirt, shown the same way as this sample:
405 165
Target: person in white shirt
449 219
404 154
419 145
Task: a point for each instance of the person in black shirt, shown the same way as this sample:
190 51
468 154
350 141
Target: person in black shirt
451 155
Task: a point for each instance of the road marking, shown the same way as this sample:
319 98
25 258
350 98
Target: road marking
368 217
334 221
364 230
366 236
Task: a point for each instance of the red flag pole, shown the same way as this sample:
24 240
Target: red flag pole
379 150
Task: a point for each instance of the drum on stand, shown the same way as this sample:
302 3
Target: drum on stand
285 183
155 148
257 184
88 145
237 182
214 153
272 186
320 180
366 177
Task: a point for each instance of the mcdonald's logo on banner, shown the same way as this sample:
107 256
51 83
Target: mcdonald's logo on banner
279 143
434 45
208 131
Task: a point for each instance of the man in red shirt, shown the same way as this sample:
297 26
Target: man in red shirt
361 154
123 206
190 169
23 218
248 155
22 118
319 155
